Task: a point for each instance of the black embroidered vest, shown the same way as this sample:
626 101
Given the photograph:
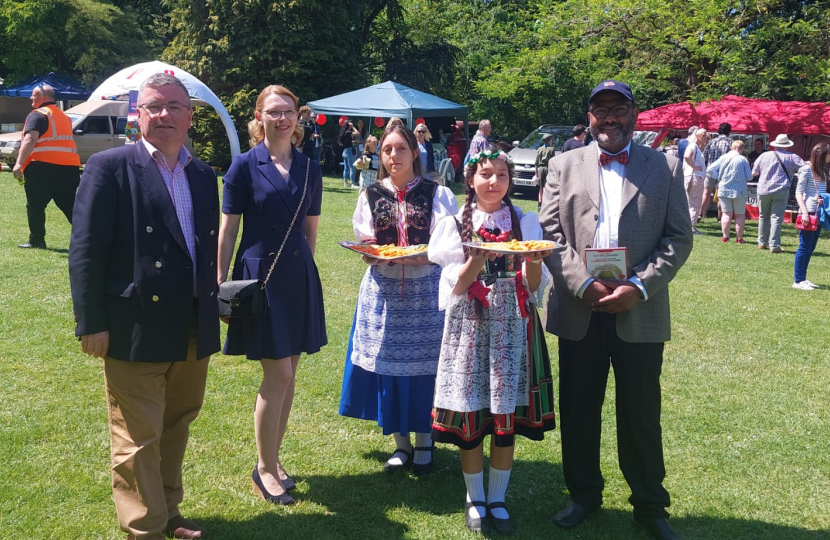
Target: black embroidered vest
384 206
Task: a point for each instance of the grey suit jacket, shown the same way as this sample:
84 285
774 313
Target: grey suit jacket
654 226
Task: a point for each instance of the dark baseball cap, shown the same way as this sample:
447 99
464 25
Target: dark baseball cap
612 86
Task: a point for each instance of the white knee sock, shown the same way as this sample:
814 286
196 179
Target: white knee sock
422 440
402 442
475 492
497 487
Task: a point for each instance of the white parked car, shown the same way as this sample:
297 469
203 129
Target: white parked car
524 155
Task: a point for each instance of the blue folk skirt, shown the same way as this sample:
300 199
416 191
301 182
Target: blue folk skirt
399 328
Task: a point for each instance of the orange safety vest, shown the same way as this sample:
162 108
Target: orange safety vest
57 145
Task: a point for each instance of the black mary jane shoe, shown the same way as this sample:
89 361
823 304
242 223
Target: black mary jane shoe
388 467
501 526
425 468
474 524
283 499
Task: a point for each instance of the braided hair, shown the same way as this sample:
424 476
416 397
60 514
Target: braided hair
490 152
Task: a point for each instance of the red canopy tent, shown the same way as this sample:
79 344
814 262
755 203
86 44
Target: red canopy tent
805 123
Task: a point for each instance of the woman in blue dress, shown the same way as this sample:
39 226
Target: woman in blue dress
395 341
265 185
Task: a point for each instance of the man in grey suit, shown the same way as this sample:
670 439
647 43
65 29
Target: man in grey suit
614 194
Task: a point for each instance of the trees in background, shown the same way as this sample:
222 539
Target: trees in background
86 39
518 62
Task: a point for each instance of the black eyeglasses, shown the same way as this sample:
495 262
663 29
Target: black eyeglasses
420 132
617 110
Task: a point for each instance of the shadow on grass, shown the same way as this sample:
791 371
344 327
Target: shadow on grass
368 506
339 188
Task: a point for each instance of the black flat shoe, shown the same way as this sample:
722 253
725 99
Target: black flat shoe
388 467
283 499
656 527
502 526
474 524
289 484
426 468
573 515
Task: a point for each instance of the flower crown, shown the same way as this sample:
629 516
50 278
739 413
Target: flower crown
495 154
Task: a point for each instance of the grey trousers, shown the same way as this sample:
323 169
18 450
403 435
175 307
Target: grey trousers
770 216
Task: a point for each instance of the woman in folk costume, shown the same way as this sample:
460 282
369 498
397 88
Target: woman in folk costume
396 335
494 374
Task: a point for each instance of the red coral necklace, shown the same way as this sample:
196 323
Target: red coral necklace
494 235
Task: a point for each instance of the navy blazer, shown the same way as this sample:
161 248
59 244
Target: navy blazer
129 268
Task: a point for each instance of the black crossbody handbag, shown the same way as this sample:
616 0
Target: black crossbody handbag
246 298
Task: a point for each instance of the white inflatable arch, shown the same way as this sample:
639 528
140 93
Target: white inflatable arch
131 78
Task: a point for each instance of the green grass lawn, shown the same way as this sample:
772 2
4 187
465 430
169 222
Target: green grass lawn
745 413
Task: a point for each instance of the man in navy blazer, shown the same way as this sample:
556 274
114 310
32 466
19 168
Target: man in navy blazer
142 267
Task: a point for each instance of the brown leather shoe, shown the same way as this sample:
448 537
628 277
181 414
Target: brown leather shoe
179 527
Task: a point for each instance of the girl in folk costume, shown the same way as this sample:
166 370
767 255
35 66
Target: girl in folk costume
494 374
396 335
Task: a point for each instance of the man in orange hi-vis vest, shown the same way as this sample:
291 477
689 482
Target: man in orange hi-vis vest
50 161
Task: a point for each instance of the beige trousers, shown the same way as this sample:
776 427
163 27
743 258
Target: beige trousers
151 406
694 192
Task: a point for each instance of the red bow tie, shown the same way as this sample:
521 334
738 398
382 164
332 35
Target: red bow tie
605 159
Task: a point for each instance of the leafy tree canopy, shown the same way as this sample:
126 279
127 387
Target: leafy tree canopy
518 62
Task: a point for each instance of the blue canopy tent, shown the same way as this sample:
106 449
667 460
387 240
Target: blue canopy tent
66 88
389 99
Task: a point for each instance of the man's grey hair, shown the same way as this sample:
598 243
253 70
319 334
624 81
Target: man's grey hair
163 79
692 130
48 92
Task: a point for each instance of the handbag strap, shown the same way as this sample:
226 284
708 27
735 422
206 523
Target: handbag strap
293 221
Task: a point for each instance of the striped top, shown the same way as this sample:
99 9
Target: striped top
807 187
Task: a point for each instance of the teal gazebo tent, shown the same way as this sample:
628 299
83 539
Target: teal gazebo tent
389 99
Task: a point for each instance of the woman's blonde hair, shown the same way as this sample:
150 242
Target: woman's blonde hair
427 135
255 129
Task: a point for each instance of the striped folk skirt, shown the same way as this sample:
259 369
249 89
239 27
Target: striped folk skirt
467 429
